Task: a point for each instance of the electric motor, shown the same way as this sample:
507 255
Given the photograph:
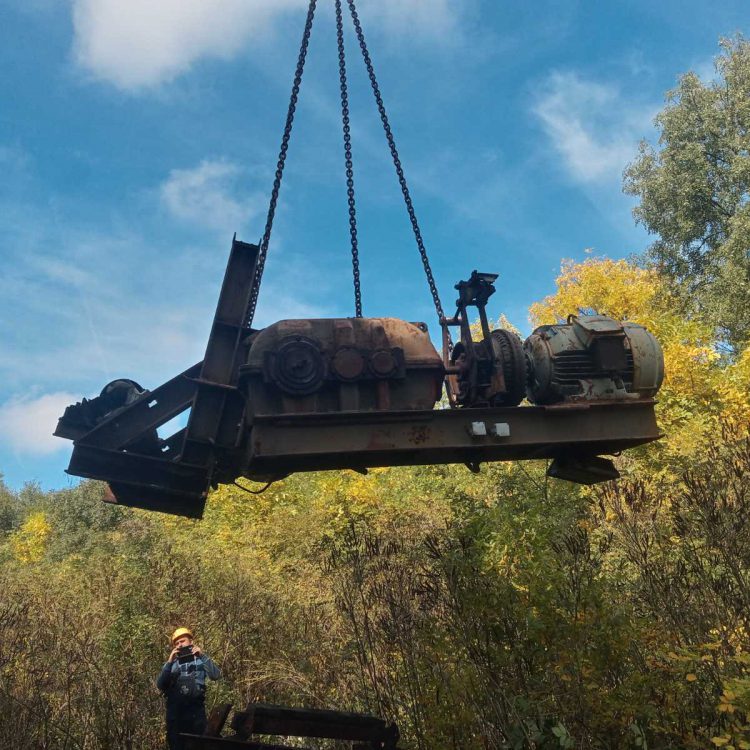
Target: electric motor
592 357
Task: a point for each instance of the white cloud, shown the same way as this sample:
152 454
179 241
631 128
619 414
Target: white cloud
207 196
432 18
26 424
142 43
594 130
706 71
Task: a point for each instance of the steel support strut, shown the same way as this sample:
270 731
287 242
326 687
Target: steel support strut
174 474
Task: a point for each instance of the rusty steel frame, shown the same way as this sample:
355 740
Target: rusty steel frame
176 475
222 442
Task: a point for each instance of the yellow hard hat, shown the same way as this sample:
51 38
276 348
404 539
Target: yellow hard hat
180 632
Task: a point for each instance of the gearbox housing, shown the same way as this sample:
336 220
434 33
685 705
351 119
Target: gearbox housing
341 365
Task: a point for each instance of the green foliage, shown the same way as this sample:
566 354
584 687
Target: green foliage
496 610
8 508
694 191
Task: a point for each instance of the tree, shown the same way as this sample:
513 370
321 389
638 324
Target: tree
694 191
8 507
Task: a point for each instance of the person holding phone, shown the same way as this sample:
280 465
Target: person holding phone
182 680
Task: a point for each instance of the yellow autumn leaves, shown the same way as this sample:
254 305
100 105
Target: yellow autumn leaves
29 542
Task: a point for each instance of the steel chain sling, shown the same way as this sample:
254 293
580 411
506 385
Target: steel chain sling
250 314
348 160
396 160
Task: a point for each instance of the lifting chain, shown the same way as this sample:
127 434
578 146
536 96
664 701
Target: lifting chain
263 252
347 157
348 160
396 160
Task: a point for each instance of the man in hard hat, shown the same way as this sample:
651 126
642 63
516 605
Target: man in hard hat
183 682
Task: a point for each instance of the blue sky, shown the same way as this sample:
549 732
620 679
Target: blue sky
136 137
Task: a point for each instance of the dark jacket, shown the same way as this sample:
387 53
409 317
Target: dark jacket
186 683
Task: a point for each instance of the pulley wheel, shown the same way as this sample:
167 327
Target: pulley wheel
509 349
113 399
120 393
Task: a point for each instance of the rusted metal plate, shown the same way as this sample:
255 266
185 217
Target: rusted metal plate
283 721
310 442
144 482
130 468
260 718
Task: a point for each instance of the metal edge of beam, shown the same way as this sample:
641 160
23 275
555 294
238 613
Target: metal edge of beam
201 742
218 372
138 471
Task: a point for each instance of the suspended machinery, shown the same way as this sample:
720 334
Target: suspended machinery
355 393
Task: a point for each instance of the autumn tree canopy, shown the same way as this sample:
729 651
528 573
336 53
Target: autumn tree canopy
694 192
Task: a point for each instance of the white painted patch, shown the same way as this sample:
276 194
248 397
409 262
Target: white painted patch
210 195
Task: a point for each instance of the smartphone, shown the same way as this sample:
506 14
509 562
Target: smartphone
184 654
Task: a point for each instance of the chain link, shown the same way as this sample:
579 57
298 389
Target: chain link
263 252
348 161
396 160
